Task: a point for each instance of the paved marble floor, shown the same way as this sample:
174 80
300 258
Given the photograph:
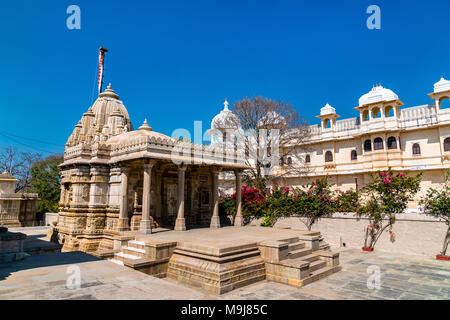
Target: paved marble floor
45 277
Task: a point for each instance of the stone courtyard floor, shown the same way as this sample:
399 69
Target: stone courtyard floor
402 277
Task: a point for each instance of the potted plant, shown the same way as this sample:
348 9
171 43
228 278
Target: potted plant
387 195
437 203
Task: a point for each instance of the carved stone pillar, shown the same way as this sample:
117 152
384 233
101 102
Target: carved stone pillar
146 225
180 223
238 221
122 224
215 219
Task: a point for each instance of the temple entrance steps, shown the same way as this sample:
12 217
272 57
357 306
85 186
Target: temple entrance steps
299 261
150 257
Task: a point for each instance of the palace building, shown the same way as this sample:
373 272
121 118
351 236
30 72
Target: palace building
385 134
116 179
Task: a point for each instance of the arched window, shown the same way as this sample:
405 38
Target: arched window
447 144
365 116
327 123
444 103
308 158
367 145
376 113
416 148
392 143
289 160
328 156
389 112
353 155
378 144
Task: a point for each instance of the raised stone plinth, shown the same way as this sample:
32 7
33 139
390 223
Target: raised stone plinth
221 260
11 245
216 270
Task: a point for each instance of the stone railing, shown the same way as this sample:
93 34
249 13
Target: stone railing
423 115
418 116
347 124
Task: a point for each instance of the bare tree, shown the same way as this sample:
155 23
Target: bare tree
273 150
19 165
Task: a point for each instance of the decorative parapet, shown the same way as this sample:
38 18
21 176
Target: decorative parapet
409 118
155 147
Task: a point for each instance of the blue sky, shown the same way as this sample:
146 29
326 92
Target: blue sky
174 62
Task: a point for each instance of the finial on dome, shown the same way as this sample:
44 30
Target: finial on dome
109 86
145 126
225 105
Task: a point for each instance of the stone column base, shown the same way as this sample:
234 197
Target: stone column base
215 222
180 224
122 224
145 226
238 221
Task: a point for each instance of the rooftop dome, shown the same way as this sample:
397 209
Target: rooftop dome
377 94
327 109
144 131
225 119
442 85
106 118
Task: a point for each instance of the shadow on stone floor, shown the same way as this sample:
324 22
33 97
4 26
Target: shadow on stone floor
37 244
45 260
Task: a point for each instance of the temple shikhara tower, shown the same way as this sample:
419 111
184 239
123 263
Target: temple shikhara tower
117 179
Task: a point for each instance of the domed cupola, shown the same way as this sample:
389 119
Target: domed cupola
327 110
441 92
442 85
225 120
106 118
328 116
377 94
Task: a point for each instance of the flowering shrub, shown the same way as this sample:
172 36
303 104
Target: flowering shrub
314 203
253 204
279 203
437 202
387 195
347 201
227 205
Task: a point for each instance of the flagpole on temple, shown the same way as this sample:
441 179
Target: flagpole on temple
101 65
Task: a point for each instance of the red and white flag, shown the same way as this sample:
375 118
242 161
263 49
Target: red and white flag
100 70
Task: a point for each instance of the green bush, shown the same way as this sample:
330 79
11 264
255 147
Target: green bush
347 201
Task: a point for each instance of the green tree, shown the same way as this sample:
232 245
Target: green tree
45 181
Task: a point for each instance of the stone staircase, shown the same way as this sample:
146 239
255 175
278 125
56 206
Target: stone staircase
300 260
149 257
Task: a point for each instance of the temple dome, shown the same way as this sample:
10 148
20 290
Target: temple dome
144 131
377 94
225 120
106 118
442 85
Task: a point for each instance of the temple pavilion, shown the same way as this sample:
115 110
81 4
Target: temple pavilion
116 179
